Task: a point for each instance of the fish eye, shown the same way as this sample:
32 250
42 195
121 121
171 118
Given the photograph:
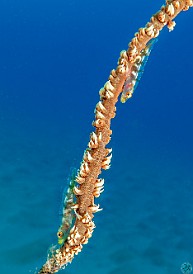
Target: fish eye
60 234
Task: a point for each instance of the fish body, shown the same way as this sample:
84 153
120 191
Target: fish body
136 71
68 215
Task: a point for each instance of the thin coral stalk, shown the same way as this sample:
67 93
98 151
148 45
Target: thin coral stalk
97 156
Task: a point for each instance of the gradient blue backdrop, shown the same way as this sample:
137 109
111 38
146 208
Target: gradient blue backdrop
54 58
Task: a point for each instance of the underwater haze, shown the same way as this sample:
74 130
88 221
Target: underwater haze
54 58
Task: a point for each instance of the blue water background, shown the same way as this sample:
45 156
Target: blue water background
54 58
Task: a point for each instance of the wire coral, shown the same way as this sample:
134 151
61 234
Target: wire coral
97 157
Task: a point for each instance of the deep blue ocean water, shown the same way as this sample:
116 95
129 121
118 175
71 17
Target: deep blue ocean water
54 58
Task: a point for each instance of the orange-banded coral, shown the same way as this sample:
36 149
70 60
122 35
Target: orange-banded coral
97 156
164 17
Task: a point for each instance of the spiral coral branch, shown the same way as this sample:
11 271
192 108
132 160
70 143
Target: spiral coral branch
97 156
